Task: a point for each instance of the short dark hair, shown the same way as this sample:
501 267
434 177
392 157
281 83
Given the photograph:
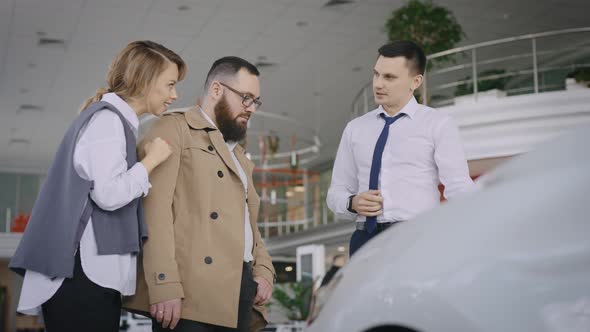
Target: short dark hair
229 66
409 50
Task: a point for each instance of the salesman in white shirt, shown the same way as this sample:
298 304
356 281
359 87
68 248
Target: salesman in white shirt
390 160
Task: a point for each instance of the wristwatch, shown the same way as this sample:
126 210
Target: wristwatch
349 204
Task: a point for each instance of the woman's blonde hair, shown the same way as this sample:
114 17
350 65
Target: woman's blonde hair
135 68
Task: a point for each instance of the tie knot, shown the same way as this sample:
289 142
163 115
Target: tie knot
391 119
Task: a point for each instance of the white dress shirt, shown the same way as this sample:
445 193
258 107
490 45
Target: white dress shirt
248 240
100 155
423 147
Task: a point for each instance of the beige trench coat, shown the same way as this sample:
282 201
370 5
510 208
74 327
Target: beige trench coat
195 217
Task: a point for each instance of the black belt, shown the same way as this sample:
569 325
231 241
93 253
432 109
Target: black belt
380 225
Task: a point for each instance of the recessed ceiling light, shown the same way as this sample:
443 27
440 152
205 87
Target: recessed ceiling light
341 249
31 65
357 68
301 24
23 90
333 3
44 41
183 8
19 141
288 268
265 64
29 108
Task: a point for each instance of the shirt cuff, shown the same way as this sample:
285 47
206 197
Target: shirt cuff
165 292
140 175
343 211
263 271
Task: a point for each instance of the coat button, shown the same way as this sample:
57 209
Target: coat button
214 215
208 260
220 174
161 276
210 148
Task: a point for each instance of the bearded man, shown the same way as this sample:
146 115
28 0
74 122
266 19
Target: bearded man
205 266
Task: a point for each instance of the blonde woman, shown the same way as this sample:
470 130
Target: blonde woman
78 253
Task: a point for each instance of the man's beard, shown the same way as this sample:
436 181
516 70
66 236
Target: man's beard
231 130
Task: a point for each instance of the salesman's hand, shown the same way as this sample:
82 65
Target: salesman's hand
263 292
167 312
368 203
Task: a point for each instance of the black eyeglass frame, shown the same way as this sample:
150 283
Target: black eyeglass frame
247 99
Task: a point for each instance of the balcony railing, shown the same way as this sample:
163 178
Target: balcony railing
532 63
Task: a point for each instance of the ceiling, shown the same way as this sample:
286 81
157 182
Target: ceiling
321 56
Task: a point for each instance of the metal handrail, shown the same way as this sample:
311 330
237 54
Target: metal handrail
474 63
508 74
507 40
501 59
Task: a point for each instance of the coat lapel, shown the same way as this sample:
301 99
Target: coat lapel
222 150
196 120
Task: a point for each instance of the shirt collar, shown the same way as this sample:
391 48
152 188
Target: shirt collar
206 116
231 144
410 108
126 110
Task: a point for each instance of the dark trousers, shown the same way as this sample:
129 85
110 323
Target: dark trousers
359 238
81 305
248 290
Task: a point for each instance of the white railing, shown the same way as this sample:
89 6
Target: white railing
566 50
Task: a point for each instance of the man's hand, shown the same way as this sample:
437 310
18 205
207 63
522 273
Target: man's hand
368 203
167 312
263 292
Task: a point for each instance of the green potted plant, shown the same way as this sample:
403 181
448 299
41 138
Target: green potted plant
294 298
433 27
582 76
484 85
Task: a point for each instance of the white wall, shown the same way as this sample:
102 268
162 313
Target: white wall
497 126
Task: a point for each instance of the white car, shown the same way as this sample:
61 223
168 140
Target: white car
513 256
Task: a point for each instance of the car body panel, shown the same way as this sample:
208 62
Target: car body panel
514 256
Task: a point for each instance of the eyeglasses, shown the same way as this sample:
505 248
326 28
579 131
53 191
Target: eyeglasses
247 99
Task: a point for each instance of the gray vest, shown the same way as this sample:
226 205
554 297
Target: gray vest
63 208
